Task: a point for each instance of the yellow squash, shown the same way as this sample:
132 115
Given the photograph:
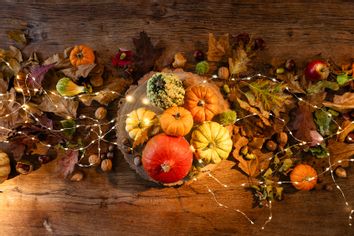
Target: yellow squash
212 142
139 122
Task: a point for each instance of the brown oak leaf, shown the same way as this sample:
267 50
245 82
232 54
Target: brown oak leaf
341 103
218 48
340 152
59 106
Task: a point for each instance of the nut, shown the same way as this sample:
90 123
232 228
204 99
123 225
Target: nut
94 160
101 113
24 167
106 165
179 60
137 160
77 176
329 187
223 73
282 139
271 145
96 81
341 172
110 155
111 148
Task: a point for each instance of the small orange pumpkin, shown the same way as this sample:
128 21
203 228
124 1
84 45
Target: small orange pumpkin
303 177
176 121
82 55
202 102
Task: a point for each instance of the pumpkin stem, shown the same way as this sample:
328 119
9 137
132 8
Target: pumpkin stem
80 55
177 115
201 103
165 167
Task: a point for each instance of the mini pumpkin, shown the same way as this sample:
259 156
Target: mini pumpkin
176 121
5 168
202 102
167 159
82 55
303 177
139 122
212 142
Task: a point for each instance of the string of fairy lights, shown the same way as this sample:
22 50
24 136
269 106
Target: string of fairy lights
101 136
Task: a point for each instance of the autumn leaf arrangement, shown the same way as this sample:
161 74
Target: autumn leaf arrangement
287 125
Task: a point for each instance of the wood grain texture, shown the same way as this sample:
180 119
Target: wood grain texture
121 203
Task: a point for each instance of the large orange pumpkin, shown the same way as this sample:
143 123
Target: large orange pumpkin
82 55
202 102
167 159
176 121
303 177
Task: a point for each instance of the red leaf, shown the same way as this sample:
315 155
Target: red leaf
37 75
67 161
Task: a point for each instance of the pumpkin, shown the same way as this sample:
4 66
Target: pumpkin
4 166
167 159
82 55
176 121
303 177
202 102
139 122
212 142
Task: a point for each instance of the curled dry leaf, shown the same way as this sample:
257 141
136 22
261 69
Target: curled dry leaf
348 127
254 166
238 144
238 64
218 48
262 115
59 105
113 89
18 36
60 60
291 81
78 71
341 103
304 125
10 108
67 161
340 152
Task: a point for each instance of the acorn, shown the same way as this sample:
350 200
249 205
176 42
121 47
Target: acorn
101 113
77 176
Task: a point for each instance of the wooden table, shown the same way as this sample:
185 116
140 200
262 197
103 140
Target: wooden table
120 203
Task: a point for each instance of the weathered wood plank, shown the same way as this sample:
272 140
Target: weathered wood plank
122 203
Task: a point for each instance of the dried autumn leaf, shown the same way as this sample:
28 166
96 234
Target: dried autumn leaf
59 105
341 103
18 36
10 111
250 167
348 127
40 149
61 60
270 96
78 71
263 158
291 81
145 54
304 125
238 144
238 63
114 88
340 152
67 161
218 48
36 76
263 116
